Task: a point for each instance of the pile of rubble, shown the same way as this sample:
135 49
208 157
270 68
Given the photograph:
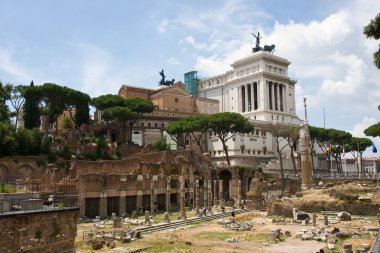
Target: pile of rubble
98 239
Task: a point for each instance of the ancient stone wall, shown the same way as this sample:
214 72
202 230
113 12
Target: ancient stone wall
36 232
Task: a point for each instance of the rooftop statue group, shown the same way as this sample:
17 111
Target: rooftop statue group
267 48
163 81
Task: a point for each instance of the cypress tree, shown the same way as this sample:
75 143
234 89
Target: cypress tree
31 112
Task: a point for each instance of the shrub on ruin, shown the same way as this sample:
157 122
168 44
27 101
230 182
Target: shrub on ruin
161 144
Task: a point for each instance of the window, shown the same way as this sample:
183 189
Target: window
149 124
142 124
163 125
155 124
176 100
187 142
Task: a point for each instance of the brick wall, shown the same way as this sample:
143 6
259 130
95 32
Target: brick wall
35 232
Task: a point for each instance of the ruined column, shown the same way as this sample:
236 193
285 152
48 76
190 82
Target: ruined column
325 220
197 197
205 194
168 194
193 193
238 201
314 219
123 196
103 204
182 202
152 200
221 207
209 182
139 193
215 193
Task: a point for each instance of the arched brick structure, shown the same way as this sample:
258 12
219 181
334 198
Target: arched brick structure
4 173
24 172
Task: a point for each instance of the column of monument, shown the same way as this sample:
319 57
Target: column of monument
209 183
197 197
205 194
182 202
123 195
239 194
152 197
246 98
167 194
221 195
215 193
305 149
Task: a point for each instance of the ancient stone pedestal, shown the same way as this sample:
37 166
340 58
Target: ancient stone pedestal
325 220
166 217
147 219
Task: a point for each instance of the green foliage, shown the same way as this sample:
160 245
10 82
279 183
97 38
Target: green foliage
161 144
8 143
107 101
40 163
65 153
52 157
58 139
28 141
31 110
68 123
139 105
372 30
226 125
45 148
192 125
373 130
5 95
54 99
101 146
5 188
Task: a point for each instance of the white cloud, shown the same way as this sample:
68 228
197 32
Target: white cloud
190 40
163 26
99 73
11 67
358 131
173 61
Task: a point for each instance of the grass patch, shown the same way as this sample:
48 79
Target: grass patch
157 246
220 236
257 237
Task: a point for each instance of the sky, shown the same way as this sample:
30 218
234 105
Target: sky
96 46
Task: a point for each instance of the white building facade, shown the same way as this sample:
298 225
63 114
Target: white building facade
258 87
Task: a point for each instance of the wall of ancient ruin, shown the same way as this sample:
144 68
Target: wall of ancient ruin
36 232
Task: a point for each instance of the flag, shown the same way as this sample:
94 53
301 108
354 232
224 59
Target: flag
344 153
374 149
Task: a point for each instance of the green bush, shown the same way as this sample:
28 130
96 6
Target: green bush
5 188
65 153
161 145
52 157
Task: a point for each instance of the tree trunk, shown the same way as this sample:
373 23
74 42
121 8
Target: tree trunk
281 166
226 152
293 162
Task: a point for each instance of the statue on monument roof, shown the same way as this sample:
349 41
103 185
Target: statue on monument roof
267 48
163 81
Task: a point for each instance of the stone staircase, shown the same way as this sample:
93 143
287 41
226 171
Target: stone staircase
180 223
